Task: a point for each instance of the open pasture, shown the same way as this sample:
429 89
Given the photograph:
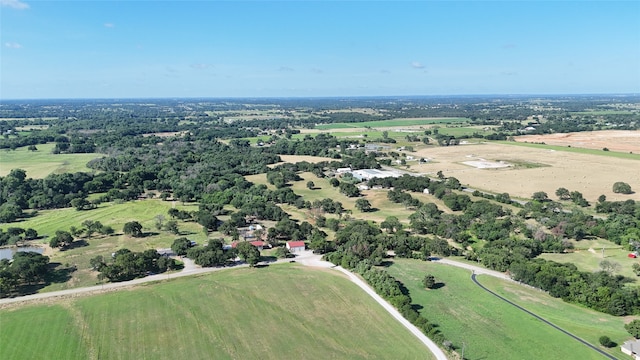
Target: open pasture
38 164
279 312
614 140
588 255
589 174
490 328
114 215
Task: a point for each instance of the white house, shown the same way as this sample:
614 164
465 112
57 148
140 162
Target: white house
631 347
295 246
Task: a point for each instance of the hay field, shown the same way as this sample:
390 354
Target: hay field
280 312
614 140
534 170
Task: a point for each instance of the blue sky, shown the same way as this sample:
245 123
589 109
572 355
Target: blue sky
129 49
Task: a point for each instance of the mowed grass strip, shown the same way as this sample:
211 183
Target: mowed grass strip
38 164
41 332
489 327
280 312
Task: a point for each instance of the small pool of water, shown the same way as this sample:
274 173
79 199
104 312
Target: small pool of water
7 253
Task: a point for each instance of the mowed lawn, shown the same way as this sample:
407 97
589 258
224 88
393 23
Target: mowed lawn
489 327
38 164
279 312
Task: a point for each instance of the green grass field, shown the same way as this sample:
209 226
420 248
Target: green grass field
114 215
39 164
280 312
589 261
621 155
585 323
393 123
489 327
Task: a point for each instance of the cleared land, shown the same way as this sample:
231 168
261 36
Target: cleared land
614 140
38 164
588 255
536 169
489 327
114 215
279 312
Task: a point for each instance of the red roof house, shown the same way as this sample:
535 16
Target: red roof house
295 246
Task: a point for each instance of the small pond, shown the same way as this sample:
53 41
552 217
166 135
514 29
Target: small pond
7 253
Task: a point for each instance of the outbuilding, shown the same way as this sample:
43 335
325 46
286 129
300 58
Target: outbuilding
296 246
631 347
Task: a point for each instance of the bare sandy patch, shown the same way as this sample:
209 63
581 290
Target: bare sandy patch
614 140
592 175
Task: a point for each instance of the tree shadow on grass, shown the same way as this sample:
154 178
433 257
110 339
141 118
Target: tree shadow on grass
437 285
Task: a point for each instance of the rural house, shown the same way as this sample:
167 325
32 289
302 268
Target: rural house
631 347
295 246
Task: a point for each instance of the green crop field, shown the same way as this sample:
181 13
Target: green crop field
489 327
279 312
393 123
38 164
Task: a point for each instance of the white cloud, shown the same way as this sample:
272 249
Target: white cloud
109 25
14 4
12 45
417 65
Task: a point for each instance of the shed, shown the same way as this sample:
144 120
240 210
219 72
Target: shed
296 246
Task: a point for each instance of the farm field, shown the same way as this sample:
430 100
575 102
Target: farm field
489 327
279 312
614 140
38 164
114 215
536 169
393 123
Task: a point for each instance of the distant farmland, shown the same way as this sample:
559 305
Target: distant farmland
393 123
280 312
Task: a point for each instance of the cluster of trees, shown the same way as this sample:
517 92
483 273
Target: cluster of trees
128 265
14 235
600 290
212 254
27 267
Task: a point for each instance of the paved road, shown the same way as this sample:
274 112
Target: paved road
476 270
437 352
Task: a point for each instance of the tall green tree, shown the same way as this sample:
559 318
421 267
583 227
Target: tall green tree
133 228
249 253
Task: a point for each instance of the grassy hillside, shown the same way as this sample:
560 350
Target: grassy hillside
114 215
279 312
489 327
39 164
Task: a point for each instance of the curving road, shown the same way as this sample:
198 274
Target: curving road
435 350
479 270
473 277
